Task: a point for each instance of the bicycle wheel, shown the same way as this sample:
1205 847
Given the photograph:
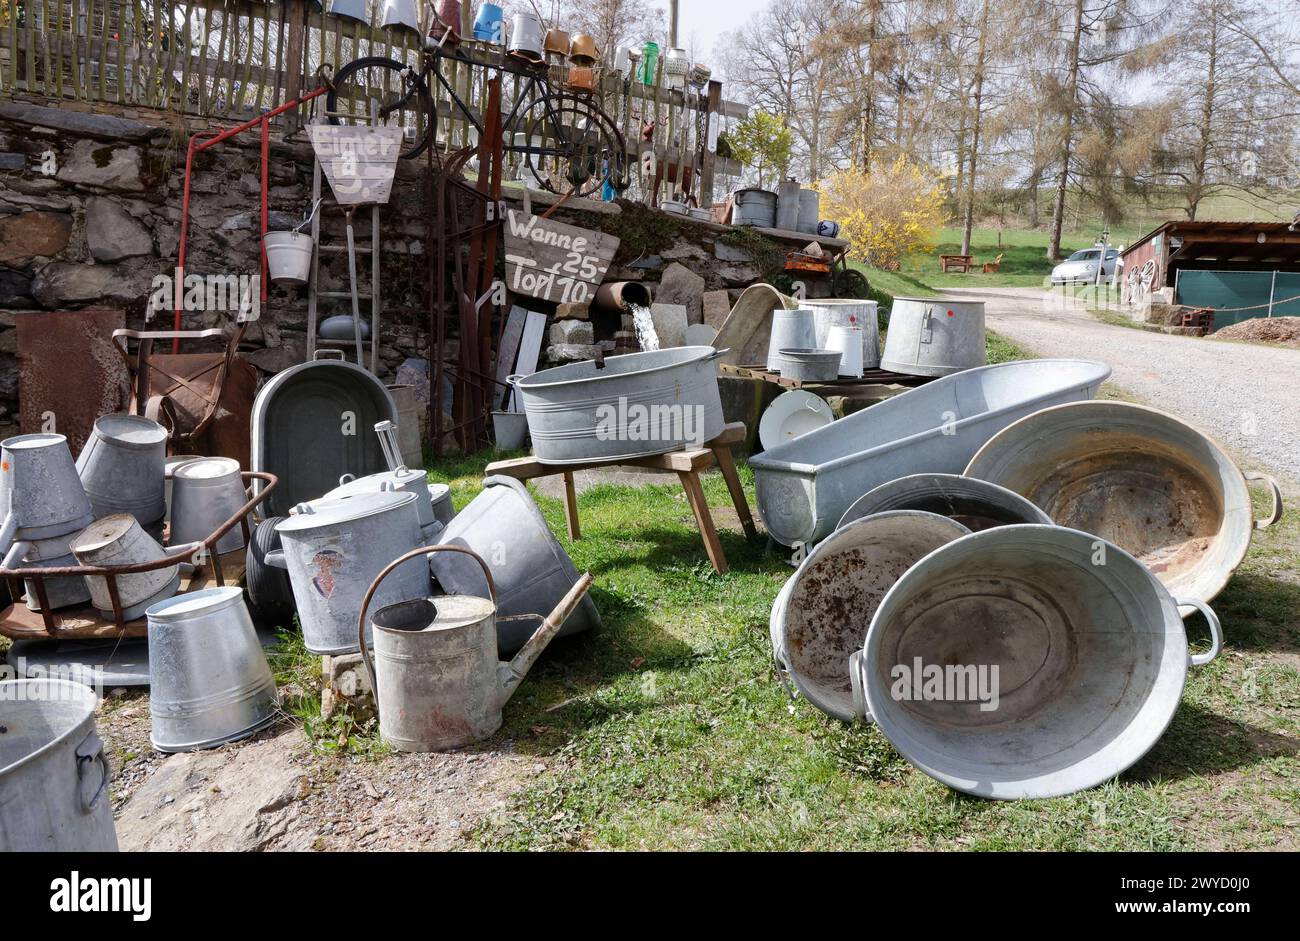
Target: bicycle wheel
393 91
569 145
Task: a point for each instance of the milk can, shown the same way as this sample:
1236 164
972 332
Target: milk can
333 549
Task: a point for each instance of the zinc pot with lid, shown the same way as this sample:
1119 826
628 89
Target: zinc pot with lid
333 550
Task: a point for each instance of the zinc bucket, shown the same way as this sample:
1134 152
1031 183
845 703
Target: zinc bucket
123 469
288 257
119 540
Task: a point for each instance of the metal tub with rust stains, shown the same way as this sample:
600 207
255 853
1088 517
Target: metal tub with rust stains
1139 477
821 616
805 485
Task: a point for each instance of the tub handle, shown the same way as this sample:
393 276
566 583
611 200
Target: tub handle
91 752
276 559
782 670
1275 513
861 711
1216 630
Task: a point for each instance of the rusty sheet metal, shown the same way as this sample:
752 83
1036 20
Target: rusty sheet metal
69 371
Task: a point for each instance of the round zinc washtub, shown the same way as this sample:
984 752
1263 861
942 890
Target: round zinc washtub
1090 662
1139 477
632 406
976 504
934 336
821 617
807 364
53 772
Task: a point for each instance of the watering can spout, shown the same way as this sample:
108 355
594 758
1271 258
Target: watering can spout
511 673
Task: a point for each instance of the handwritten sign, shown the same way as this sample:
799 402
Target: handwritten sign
359 162
553 261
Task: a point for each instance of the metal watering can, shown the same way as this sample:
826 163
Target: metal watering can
435 661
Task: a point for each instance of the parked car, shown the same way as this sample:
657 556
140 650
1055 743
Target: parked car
1081 267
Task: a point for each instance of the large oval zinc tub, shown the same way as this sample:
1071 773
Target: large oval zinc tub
632 406
805 486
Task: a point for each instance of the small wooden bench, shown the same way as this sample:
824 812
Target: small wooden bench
960 263
687 463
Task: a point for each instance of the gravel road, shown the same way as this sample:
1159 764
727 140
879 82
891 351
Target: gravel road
1244 395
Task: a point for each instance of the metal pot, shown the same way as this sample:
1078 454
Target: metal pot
334 549
41 495
850 312
119 540
976 504
632 406
821 617
931 336
525 38
791 330
206 493
810 207
557 42
172 462
583 49
1091 659
400 13
1137 476
805 486
530 568
754 207
438 682
53 772
209 682
810 365
122 468
399 481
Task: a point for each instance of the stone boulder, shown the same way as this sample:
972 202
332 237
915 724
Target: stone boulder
90 163
681 285
28 235
112 233
59 284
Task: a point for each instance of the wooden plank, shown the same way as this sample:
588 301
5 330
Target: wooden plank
530 350
712 122
507 351
554 261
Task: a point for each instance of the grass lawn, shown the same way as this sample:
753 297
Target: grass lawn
669 730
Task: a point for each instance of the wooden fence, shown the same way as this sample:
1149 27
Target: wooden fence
232 59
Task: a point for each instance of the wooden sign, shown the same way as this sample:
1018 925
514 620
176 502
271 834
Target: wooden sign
553 261
359 161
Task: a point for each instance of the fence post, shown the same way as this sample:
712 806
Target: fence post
297 20
711 130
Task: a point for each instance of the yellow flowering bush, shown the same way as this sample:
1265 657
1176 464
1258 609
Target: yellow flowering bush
884 215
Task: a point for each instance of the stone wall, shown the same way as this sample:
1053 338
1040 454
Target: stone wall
90 209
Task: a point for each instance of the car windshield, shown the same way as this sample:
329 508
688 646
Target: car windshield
1087 254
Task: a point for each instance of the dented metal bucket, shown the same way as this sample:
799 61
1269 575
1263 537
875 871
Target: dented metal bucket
1152 484
119 540
122 468
531 569
976 504
820 618
1026 661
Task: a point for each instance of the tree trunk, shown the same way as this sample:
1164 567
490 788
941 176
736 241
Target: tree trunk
976 117
1067 135
1201 157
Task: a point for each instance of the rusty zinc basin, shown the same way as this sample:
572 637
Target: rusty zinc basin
1138 477
821 616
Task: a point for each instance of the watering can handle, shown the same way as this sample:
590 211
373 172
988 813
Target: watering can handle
1216 630
1275 512
374 587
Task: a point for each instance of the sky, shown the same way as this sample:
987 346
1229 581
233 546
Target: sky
702 22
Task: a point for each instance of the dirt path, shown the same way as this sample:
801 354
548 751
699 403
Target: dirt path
1244 395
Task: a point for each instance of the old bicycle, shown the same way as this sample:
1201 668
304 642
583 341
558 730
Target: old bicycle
567 143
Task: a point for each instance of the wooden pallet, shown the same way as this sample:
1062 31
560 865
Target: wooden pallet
870 377
18 622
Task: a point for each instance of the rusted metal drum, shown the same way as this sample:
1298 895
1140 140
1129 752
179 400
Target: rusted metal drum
53 772
976 504
1026 661
820 619
1139 477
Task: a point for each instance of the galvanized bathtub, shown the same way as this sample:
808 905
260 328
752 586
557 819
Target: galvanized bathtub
805 486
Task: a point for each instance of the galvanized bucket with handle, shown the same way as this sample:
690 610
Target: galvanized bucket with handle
437 680
1026 661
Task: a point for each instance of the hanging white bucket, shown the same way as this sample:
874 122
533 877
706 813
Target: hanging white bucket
288 257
